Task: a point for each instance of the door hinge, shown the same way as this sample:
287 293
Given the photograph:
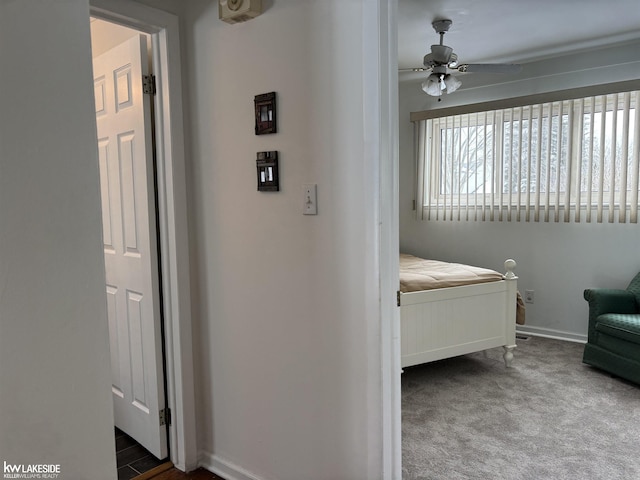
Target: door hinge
398 297
165 416
149 84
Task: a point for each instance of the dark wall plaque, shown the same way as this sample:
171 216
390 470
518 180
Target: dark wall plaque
265 105
267 167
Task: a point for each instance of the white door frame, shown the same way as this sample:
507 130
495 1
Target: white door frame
172 215
381 123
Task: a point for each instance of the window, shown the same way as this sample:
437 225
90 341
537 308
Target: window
557 161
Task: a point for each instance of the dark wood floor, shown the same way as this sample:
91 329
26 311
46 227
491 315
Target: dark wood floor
175 474
136 463
132 459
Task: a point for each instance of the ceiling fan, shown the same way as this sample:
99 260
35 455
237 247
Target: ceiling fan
442 58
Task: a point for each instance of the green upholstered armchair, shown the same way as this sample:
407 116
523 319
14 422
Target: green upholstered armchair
614 330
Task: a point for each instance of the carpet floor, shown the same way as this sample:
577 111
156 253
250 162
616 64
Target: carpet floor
548 417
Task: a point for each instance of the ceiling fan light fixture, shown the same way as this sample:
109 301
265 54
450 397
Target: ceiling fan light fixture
451 83
433 86
442 58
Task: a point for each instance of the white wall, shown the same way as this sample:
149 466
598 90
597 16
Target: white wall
55 400
556 260
286 306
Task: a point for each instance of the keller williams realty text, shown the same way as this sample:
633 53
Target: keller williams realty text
31 471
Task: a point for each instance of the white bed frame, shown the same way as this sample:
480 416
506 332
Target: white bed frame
447 322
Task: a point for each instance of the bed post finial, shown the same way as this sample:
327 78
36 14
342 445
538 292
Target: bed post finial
509 265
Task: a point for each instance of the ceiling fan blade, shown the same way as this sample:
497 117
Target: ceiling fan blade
490 68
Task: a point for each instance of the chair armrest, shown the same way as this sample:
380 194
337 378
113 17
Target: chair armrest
602 300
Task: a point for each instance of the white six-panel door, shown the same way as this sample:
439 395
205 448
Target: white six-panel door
123 116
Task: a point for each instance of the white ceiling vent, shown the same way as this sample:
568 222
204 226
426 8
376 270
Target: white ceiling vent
236 11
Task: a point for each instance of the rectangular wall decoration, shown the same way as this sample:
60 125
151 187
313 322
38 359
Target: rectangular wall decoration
265 110
267 166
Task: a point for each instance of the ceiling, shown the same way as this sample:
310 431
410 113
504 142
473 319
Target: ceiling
517 31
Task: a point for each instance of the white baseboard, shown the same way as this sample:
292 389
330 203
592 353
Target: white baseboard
551 333
226 469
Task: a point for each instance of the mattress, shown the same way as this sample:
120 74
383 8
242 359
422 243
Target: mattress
418 274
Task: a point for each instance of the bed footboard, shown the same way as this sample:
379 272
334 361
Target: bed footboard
443 323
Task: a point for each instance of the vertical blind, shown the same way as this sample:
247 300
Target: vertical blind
572 160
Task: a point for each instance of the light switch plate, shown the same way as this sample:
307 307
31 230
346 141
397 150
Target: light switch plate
310 206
